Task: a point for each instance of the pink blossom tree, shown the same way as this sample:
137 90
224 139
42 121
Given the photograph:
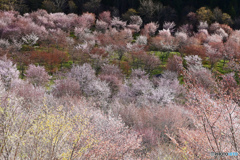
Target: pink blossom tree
90 85
118 24
105 16
66 87
215 125
169 26
214 51
135 23
101 26
150 29
165 42
141 40
182 38
31 94
86 20
37 75
197 74
8 71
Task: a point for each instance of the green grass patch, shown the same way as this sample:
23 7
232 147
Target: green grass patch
163 56
67 64
72 35
180 79
156 71
221 67
50 83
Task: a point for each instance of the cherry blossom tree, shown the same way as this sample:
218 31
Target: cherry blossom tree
215 125
65 132
30 39
203 36
232 46
150 29
109 69
214 52
90 84
227 28
86 20
8 72
143 92
4 44
198 74
182 38
31 94
186 28
142 40
118 41
101 26
135 23
203 25
214 38
37 75
135 90
165 42
169 26
229 82
136 20
118 24
213 27
105 16
66 87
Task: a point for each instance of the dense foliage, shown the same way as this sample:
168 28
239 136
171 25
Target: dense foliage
224 11
99 87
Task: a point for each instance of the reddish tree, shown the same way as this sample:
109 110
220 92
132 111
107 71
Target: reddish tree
193 50
175 64
202 36
125 66
99 51
117 40
52 60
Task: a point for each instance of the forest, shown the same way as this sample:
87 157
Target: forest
105 85
150 10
